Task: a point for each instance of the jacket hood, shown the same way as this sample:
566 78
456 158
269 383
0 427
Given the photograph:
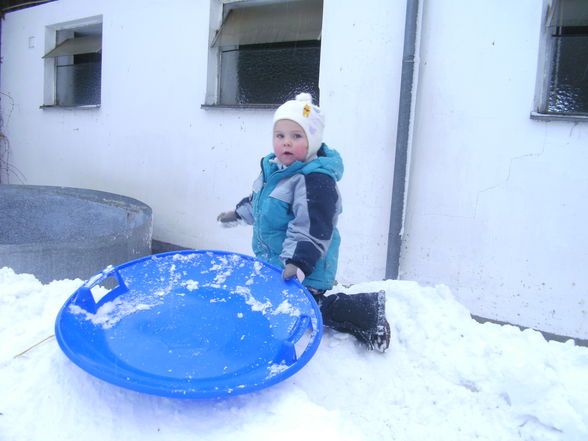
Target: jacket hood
329 160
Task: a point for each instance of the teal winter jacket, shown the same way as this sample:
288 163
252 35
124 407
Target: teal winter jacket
294 213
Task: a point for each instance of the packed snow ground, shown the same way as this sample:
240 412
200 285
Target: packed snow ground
445 377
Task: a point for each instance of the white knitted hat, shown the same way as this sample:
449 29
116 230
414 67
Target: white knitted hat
308 116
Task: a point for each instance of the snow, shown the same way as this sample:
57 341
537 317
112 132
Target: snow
445 377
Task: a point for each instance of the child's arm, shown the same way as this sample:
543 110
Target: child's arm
244 210
316 204
241 213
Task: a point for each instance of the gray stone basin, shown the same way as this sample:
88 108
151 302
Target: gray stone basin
67 233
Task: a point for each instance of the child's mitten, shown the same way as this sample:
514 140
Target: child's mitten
291 270
228 218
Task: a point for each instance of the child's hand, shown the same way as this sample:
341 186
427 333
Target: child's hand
291 270
228 219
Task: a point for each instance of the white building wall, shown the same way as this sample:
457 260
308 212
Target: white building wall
151 140
361 61
498 202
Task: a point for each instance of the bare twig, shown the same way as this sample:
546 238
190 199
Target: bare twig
34 346
7 169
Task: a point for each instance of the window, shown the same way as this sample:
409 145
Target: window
73 68
564 91
264 53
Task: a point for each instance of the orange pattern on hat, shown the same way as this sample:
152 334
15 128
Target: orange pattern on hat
306 111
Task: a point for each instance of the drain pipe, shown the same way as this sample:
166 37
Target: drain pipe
403 139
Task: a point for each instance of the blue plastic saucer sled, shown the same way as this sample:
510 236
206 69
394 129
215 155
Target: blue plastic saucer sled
191 324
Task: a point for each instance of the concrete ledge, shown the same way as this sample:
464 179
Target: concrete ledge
158 247
546 335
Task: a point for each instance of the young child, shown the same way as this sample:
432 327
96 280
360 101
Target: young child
294 209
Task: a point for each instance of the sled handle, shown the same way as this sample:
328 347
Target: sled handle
302 324
84 297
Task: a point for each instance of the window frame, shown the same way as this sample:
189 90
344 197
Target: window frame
51 62
545 69
218 13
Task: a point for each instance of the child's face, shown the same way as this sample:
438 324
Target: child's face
290 143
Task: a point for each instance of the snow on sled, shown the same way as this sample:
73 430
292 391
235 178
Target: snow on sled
191 324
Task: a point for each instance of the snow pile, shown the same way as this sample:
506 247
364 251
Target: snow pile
445 377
